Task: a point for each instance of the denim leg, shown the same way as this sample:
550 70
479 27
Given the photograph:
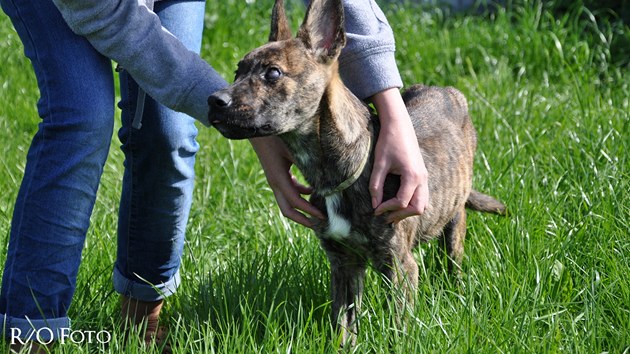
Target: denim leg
159 176
63 168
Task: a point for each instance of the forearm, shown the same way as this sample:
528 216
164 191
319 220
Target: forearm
391 108
133 36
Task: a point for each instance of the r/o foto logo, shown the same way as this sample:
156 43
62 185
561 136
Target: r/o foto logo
46 336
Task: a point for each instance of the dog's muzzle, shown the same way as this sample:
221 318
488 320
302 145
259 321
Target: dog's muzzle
221 118
219 100
232 122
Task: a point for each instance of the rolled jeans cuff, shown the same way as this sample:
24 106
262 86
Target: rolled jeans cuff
40 330
145 291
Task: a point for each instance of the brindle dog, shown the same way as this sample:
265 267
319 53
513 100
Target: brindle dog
290 87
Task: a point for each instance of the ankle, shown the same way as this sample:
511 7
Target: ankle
136 311
143 317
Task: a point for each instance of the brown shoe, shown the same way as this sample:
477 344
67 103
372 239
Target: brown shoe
145 316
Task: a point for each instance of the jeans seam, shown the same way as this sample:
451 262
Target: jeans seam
132 170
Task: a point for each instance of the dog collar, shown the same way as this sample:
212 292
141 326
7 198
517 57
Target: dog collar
355 176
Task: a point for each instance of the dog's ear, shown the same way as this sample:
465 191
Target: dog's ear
323 28
279 24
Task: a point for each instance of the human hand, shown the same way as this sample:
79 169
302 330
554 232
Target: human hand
276 162
397 153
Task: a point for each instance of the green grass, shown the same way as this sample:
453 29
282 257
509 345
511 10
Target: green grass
549 93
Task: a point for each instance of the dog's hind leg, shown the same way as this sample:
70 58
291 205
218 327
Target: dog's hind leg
347 277
452 239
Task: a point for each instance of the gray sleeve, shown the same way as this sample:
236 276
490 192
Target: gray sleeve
130 34
367 63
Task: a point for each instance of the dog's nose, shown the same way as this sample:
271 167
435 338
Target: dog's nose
219 100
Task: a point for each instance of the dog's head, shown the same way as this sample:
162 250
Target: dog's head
278 87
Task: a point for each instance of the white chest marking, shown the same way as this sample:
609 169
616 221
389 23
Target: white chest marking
338 227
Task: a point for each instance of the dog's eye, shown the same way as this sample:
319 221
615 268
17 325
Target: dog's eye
273 74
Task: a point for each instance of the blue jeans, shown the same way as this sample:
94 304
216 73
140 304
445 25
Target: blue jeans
65 162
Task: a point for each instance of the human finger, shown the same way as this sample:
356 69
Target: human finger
299 211
377 181
416 207
406 191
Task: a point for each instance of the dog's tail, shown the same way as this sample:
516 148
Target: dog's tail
485 203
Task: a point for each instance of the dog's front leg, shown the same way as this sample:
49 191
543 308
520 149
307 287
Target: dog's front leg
347 289
347 276
401 272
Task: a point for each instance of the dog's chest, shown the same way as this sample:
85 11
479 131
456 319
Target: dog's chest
339 226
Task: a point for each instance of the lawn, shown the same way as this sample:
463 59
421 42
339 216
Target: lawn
549 93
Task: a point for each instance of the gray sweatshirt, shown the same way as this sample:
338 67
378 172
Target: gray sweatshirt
130 34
